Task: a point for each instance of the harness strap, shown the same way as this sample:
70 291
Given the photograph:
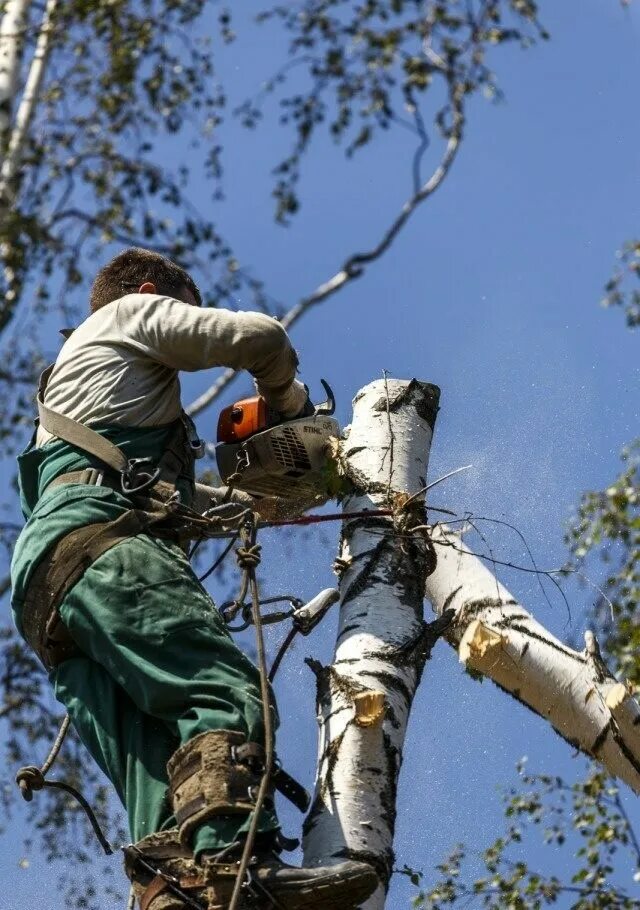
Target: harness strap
156 887
76 433
60 569
251 753
178 454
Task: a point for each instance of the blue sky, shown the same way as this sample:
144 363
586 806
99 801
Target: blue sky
492 293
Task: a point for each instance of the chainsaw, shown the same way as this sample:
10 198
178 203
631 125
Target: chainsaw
266 454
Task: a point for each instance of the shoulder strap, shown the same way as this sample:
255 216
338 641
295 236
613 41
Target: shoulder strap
76 433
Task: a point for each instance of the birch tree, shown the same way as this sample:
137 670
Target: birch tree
496 637
364 697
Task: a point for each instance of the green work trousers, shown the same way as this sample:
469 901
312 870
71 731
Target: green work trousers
158 668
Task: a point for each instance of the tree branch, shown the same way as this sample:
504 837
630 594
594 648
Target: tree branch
355 265
496 637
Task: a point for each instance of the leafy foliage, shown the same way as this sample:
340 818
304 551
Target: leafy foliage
368 65
618 291
608 527
588 813
116 85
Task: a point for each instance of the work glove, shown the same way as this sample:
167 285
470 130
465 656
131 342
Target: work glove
308 408
287 400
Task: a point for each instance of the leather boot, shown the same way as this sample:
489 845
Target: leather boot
274 884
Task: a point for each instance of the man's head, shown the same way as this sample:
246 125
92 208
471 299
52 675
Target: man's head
141 271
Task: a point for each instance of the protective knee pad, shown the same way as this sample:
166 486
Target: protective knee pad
213 774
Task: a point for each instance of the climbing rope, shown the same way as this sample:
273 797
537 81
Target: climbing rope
248 556
31 778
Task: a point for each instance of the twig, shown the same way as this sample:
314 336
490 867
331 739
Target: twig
630 829
389 450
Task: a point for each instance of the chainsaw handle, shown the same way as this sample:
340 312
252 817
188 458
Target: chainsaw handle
327 407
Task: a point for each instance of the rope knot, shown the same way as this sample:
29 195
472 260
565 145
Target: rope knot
249 557
29 779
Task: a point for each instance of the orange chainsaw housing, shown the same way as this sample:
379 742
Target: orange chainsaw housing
244 418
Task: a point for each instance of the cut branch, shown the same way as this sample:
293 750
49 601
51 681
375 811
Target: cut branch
365 697
356 264
573 690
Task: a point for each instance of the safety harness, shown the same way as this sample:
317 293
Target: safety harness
155 509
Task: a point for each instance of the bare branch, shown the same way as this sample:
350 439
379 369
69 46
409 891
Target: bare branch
355 265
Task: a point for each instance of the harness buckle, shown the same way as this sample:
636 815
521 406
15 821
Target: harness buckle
198 447
133 480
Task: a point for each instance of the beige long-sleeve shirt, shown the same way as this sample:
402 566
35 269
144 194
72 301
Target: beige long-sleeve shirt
120 366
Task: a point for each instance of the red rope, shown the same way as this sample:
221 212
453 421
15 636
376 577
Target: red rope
332 516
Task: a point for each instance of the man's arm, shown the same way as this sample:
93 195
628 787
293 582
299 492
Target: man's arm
190 338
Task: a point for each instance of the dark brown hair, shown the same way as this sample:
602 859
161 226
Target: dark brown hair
131 269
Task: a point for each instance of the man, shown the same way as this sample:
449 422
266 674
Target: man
158 692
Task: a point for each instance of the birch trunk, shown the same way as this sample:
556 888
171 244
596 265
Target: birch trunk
365 696
24 114
15 139
12 24
573 690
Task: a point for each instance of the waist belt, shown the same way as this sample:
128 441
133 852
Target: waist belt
58 571
67 560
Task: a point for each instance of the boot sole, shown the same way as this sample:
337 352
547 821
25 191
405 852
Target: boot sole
344 892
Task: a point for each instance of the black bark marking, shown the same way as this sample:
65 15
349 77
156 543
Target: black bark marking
507 621
449 599
393 684
473 607
331 757
600 739
354 451
624 748
573 655
335 712
418 649
364 578
424 396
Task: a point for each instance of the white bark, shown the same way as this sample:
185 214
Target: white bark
24 114
12 24
496 636
365 697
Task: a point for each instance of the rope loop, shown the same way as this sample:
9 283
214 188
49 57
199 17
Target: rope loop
29 779
249 557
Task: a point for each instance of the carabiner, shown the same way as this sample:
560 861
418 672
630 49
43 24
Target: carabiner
128 483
